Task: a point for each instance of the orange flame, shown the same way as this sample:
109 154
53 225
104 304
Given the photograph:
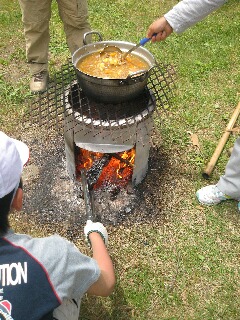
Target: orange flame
85 159
118 171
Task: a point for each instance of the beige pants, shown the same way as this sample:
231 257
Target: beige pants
36 15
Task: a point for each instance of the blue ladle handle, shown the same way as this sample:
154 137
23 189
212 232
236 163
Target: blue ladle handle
141 43
145 40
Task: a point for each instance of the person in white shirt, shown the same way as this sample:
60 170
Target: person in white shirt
181 17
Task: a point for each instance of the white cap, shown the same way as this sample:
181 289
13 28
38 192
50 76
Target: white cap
14 155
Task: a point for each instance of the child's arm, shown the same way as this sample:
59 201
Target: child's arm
105 284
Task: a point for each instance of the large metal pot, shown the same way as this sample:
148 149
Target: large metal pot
112 90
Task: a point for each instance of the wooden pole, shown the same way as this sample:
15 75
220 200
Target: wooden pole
211 164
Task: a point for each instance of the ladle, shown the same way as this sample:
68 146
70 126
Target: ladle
141 43
110 49
114 48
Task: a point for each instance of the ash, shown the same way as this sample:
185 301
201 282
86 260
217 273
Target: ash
55 202
52 197
114 207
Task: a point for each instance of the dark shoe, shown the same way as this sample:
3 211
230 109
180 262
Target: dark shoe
39 81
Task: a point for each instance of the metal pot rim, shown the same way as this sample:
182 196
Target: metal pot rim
88 49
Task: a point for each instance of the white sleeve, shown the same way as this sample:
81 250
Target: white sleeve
188 12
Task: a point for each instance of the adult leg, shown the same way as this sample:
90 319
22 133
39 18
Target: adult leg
68 310
74 14
228 186
229 183
35 16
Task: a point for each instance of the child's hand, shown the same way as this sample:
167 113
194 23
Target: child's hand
95 227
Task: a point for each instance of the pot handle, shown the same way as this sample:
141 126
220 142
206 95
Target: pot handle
91 32
132 77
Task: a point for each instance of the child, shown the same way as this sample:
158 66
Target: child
44 278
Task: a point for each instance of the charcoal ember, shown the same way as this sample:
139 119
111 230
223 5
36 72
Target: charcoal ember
95 171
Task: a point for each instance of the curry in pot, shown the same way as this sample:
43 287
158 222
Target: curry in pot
110 65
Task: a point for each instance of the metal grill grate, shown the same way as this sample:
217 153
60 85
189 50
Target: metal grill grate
48 109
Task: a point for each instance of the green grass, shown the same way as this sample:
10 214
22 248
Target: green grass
185 266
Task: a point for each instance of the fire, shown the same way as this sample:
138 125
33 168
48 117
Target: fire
85 159
109 169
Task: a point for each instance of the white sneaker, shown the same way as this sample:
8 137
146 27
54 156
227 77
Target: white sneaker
38 82
211 195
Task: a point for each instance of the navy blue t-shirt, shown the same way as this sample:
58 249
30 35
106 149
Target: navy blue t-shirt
21 273
36 274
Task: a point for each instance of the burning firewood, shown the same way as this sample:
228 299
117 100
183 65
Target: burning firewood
117 156
95 171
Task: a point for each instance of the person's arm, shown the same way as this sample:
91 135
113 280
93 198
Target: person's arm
161 27
105 284
97 236
182 16
17 202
